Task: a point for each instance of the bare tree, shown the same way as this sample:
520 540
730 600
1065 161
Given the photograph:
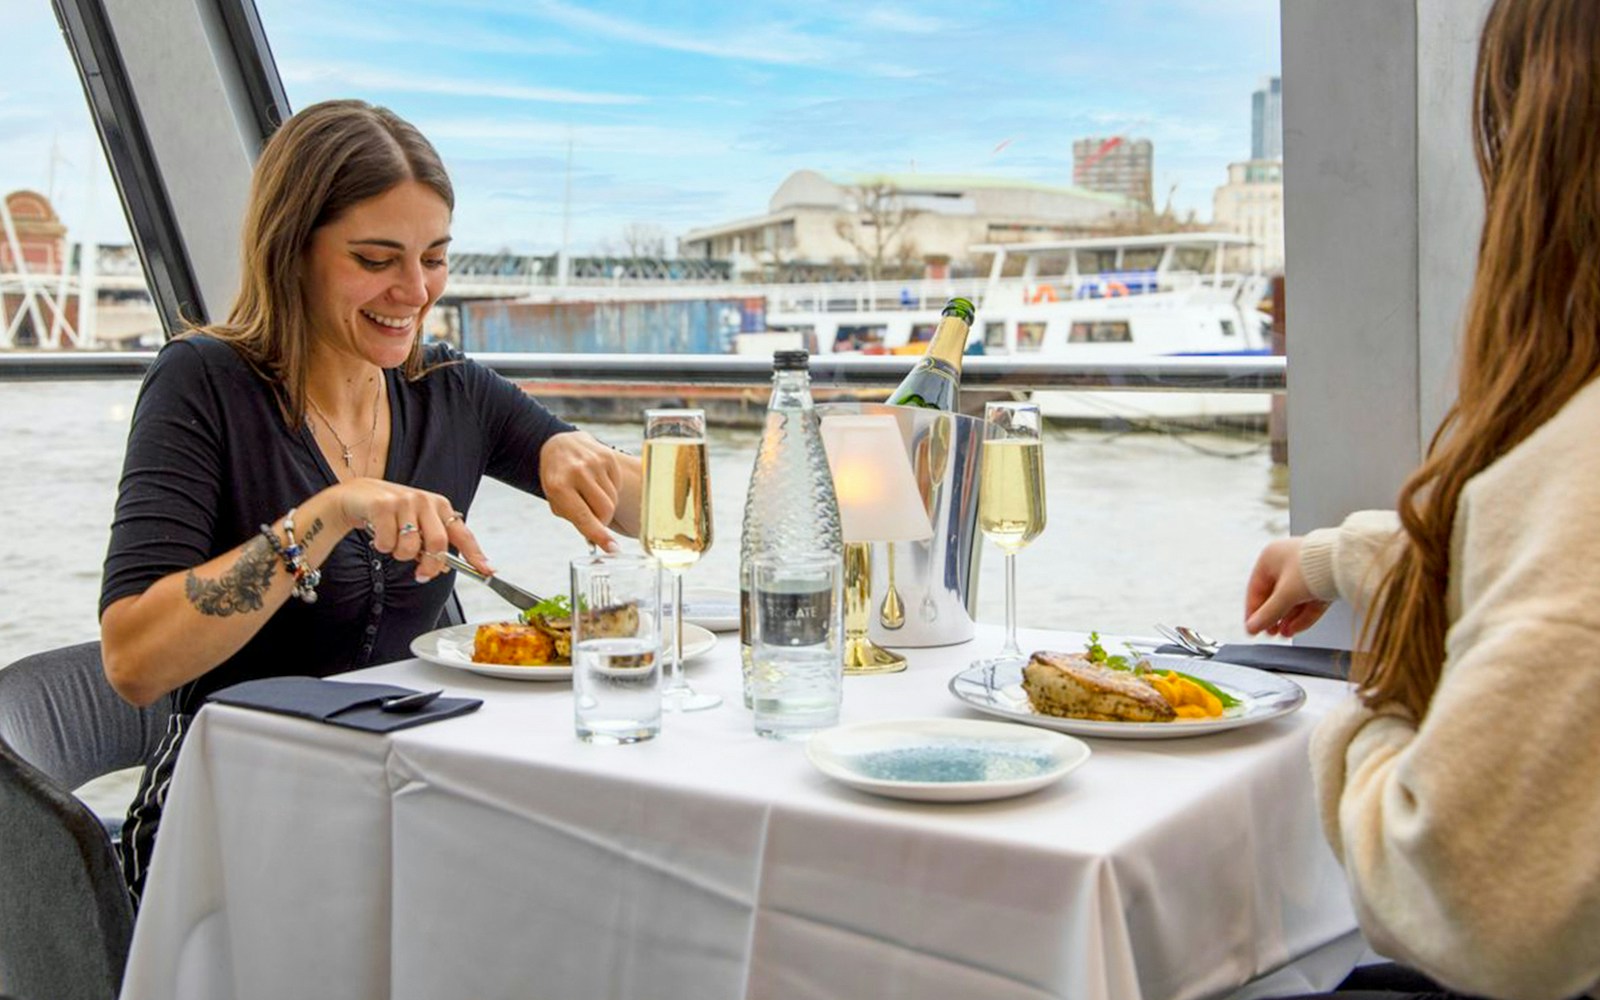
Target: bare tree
880 216
1148 221
644 239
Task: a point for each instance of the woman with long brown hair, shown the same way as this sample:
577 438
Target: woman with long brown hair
294 474
1461 788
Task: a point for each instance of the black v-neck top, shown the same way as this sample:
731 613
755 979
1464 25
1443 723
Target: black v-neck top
210 459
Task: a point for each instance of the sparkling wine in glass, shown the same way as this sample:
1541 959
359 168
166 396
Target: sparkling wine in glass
1011 493
676 514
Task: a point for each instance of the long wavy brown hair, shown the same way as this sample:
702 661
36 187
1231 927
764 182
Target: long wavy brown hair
322 161
1532 332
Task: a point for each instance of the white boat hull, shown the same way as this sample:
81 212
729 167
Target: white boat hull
1155 407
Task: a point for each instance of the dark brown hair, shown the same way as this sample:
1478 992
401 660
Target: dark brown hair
319 163
1530 341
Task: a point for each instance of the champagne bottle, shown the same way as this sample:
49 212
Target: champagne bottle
935 381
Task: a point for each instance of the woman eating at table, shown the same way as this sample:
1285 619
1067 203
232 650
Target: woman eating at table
1459 788
293 474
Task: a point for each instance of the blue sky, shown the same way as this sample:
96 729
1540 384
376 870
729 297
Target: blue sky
687 114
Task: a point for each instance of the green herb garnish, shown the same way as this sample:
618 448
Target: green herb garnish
551 607
1096 653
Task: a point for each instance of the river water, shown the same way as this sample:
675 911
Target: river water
1143 527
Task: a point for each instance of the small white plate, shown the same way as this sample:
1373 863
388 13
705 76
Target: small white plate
995 688
452 647
944 760
697 641
711 608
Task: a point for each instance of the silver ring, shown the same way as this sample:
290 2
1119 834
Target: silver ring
452 519
407 528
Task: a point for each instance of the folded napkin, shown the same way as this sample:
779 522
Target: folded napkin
1314 661
343 703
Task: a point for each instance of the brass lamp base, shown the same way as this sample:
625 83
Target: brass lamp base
862 655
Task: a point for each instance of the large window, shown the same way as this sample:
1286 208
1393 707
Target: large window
615 131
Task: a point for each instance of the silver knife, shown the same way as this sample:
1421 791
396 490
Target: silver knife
510 592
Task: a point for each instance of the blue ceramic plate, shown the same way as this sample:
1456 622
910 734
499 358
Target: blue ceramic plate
944 760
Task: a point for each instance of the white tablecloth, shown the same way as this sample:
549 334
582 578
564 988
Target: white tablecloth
494 855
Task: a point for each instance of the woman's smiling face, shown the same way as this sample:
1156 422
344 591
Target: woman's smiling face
373 273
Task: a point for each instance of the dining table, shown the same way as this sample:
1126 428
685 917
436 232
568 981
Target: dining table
494 855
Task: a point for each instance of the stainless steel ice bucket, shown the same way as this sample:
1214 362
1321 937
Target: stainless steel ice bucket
935 582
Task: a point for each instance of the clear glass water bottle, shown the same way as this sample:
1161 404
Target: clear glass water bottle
791 507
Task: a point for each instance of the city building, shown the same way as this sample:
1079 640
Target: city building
821 227
1114 165
39 235
1251 204
1266 120
40 299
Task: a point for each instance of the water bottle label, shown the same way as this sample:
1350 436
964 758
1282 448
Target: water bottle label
796 619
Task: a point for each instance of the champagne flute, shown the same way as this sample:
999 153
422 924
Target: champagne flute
676 514
1011 493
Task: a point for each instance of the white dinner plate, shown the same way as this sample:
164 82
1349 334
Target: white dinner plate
944 760
452 647
997 690
711 608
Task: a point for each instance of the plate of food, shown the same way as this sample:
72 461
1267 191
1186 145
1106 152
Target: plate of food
1145 696
536 648
944 760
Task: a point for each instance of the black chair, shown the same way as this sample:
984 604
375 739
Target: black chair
65 917
60 714
451 614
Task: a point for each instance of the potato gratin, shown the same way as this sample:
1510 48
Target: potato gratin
515 645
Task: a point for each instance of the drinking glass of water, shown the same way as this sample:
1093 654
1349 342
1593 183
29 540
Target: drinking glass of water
797 649
616 648
1011 493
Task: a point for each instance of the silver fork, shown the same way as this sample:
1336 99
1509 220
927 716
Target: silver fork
602 592
1188 638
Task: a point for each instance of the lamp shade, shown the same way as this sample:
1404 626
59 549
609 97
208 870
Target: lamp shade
878 498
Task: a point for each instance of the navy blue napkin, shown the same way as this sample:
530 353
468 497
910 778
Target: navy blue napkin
1313 661
342 703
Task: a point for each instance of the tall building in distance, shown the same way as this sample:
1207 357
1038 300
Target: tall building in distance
1266 120
1114 165
1251 204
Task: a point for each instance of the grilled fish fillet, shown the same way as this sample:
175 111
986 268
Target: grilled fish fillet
1069 685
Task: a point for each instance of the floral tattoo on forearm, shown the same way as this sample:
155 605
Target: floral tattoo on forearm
241 589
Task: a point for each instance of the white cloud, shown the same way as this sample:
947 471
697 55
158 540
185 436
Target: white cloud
763 41
633 140
460 36
366 79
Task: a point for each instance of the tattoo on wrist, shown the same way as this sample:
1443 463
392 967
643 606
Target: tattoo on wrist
312 532
241 589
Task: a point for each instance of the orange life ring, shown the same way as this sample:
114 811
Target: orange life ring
1044 293
1115 288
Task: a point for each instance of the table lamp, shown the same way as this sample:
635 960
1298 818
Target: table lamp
878 502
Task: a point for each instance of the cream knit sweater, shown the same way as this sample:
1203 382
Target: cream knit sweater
1472 840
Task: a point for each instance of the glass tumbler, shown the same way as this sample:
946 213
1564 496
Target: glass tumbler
797 652
616 648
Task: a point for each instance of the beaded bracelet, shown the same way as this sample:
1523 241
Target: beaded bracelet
306 578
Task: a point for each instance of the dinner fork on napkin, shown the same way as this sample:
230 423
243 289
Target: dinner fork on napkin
376 708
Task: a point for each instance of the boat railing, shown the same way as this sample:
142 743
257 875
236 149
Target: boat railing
842 371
